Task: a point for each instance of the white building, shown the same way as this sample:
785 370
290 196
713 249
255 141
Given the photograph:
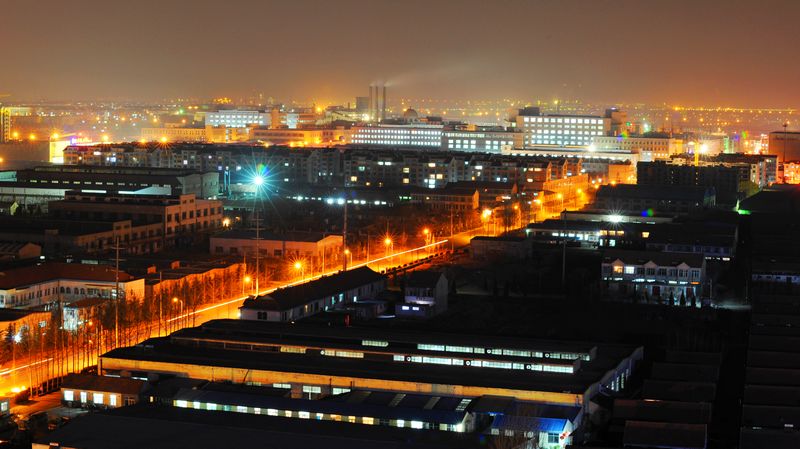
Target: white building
481 141
655 276
237 118
561 130
314 249
416 135
47 283
649 148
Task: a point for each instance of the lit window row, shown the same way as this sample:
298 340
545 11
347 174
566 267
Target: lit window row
346 354
300 414
568 369
563 120
502 351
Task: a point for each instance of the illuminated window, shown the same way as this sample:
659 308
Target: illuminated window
378 343
618 269
69 395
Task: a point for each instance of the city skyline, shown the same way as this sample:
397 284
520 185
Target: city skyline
603 52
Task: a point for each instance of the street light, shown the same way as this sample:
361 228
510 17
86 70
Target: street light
258 182
175 300
246 280
486 215
300 267
349 257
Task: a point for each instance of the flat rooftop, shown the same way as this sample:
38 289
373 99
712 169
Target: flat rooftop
229 332
165 427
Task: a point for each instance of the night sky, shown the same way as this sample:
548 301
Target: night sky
706 52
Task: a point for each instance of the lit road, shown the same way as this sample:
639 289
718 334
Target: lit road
16 376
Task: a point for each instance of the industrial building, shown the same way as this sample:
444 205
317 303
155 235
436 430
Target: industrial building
320 363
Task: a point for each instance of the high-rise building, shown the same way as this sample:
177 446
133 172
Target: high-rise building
362 105
5 124
786 144
237 119
559 130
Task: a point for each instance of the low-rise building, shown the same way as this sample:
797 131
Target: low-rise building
326 293
16 320
482 375
654 199
500 247
676 279
19 251
47 283
92 391
70 237
425 294
711 241
180 218
453 197
313 249
80 313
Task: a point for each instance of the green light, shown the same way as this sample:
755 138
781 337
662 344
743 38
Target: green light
743 211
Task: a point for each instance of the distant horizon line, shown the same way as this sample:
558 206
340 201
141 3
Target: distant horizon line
676 106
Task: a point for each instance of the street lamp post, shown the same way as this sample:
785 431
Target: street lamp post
299 266
175 300
486 215
258 181
246 280
389 250
785 125
349 255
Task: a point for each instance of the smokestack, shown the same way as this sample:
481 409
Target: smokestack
369 105
383 104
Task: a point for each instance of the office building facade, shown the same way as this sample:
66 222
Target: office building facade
411 136
560 130
237 118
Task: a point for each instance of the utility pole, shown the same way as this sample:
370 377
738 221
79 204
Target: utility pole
344 236
160 314
785 125
564 251
452 245
258 245
116 293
